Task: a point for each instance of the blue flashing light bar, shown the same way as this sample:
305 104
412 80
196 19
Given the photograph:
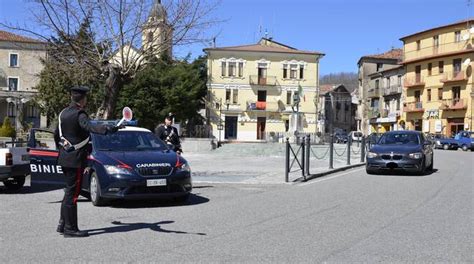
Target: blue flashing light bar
115 122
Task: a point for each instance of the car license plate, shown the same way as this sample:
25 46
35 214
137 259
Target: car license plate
157 182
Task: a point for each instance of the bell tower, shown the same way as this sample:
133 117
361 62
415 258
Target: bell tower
157 35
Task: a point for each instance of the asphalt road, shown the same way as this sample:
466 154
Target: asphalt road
345 217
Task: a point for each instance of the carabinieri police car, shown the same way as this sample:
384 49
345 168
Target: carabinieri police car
130 164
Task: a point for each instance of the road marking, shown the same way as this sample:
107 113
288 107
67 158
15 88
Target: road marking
329 178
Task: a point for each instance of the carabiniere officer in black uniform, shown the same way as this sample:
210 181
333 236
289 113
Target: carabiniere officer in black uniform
72 136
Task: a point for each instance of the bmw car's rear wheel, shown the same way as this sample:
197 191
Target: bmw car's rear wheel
94 188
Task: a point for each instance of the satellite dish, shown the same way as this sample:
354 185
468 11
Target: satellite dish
465 37
467 61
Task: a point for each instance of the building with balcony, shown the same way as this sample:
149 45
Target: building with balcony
386 99
20 66
438 82
373 71
251 89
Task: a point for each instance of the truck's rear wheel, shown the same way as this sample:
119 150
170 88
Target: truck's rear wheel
15 183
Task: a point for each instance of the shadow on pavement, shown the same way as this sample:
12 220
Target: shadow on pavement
402 173
194 199
34 188
129 227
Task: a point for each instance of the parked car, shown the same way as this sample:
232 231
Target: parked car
340 136
355 135
14 166
463 140
130 164
401 150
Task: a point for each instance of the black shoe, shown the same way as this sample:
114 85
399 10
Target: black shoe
60 229
76 233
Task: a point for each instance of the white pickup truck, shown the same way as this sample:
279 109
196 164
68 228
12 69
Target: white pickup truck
14 165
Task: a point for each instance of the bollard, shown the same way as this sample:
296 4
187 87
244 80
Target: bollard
287 161
303 157
331 152
308 149
349 141
362 150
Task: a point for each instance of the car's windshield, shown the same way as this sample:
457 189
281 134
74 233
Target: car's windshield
399 139
128 141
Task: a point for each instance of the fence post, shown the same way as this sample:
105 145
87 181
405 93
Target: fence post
308 149
331 150
303 157
362 150
287 160
349 141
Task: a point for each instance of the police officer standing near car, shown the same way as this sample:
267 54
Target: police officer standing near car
169 134
72 137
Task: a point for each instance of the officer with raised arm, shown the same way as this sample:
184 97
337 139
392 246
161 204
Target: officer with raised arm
72 137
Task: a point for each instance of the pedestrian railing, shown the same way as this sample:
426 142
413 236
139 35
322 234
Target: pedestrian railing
308 152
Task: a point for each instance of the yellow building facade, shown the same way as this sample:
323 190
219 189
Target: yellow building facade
438 85
251 90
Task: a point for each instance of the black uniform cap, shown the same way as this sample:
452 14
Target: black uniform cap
79 90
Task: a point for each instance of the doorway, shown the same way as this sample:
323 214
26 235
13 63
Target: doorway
454 126
261 127
262 74
230 127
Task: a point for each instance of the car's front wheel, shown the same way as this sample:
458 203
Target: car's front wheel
15 184
445 146
430 168
422 167
95 192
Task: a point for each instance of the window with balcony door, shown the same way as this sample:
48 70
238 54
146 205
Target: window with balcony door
285 71
32 111
232 68
223 68
228 94
235 96
288 97
417 96
241 69
387 82
441 66
399 82
456 91
440 94
430 67
376 84
301 72
457 36
456 66
398 104
418 45
293 71
428 95
418 73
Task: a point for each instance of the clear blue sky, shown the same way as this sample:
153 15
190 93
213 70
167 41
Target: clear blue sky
344 30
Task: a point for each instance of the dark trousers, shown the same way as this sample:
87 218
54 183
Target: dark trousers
73 177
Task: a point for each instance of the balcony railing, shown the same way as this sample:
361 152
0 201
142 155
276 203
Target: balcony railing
450 77
259 80
433 50
453 104
394 89
232 107
413 107
373 93
413 82
262 106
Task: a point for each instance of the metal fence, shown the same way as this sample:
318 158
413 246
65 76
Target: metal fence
305 152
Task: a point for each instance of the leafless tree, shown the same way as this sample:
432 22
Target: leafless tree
117 26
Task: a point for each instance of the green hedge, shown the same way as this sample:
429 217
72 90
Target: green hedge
7 130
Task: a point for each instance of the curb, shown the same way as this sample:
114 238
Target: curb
321 174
